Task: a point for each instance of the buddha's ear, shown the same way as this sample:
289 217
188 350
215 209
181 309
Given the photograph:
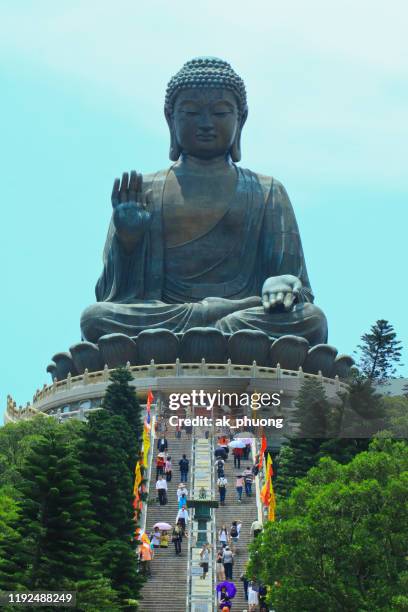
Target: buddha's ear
175 149
236 145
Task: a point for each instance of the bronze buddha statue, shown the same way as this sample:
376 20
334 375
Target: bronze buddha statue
204 243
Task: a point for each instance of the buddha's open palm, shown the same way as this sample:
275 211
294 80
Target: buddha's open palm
280 290
131 216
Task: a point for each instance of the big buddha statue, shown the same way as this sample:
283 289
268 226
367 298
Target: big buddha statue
203 245
204 242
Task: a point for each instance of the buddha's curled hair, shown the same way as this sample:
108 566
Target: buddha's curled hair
206 72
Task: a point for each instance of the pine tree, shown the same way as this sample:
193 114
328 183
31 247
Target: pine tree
312 410
56 517
362 411
380 352
105 461
120 399
12 569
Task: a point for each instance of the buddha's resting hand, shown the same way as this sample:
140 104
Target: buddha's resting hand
130 214
280 291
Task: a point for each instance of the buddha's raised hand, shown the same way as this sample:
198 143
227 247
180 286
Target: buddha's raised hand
280 290
131 216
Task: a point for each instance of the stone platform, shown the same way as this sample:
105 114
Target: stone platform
162 346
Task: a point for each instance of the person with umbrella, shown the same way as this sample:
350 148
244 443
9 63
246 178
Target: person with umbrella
226 591
237 450
155 537
221 451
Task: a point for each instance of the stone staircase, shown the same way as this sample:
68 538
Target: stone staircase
246 512
166 590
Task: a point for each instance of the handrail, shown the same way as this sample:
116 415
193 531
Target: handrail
190 525
182 369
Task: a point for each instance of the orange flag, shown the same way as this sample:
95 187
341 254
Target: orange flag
267 492
266 489
262 451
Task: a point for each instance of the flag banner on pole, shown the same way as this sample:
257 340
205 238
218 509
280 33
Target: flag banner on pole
146 446
262 451
267 493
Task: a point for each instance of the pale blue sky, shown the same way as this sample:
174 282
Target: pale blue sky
82 87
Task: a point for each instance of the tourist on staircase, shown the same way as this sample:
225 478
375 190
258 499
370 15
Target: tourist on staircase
205 559
161 486
182 518
177 538
155 537
168 468
162 444
237 452
219 566
184 465
182 491
239 486
182 500
222 489
228 560
223 536
256 528
219 466
253 599
225 600
160 463
247 474
234 533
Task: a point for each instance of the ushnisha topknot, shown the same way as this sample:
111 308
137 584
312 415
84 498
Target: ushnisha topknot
206 72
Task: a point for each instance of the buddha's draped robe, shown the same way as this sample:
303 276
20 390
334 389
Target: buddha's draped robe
213 280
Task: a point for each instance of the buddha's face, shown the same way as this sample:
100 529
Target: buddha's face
205 121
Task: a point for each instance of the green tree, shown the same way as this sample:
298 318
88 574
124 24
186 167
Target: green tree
380 351
361 413
56 521
342 539
95 594
120 399
17 439
313 411
11 549
396 411
105 465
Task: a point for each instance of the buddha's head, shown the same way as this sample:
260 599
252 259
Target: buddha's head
206 109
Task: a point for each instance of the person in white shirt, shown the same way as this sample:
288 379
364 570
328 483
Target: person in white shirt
161 487
182 516
223 536
182 490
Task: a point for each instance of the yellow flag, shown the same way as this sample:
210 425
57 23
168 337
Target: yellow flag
266 489
146 446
